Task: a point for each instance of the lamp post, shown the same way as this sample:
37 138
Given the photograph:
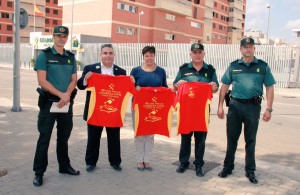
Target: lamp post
139 27
269 7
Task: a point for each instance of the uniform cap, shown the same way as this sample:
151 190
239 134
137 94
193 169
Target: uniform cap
61 30
247 40
197 46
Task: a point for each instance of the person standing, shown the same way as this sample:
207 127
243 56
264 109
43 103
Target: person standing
107 67
147 75
57 76
195 71
247 76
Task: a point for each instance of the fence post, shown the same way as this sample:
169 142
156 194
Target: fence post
297 58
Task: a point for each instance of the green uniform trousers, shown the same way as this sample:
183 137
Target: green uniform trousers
238 114
45 124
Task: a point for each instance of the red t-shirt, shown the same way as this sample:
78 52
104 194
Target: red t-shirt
153 108
192 104
109 98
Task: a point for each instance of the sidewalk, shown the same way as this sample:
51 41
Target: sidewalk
18 137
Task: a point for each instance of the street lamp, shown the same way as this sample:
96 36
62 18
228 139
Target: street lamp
269 7
140 13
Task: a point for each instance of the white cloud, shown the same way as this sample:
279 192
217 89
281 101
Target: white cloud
293 24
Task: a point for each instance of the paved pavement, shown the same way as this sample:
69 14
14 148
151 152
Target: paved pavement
18 136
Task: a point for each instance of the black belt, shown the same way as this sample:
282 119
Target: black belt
254 100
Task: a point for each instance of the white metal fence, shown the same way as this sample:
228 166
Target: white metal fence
171 56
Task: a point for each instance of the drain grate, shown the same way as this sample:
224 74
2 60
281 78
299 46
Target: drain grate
208 165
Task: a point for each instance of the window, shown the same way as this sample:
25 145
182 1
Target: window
220 27
214 25
195 24
125 7
207 38
170 17
4 15
197 1
47 30
9 39
55 22
9 4
47 10
128 31
121 30
47 21
9 27
55 1
48 1
169 37
215 4
222 7
195 13
0 26
55 11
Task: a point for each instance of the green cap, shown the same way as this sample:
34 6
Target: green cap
61 30
197 46
247 40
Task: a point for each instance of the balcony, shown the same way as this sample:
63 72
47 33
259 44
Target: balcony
208 13
235 23
236 14
181 7
209 4
238 4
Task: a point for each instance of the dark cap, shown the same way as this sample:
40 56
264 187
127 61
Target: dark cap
61 30
197 46
247 40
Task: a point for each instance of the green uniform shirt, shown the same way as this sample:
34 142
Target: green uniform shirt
188 73
59 67
247 79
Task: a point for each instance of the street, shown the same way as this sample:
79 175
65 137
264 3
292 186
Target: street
277 140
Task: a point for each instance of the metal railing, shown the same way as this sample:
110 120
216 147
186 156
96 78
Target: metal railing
172 56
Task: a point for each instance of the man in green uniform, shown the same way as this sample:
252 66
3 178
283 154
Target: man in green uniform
195 71
57 76
247 76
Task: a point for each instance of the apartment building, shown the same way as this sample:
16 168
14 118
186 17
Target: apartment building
51 15
157 21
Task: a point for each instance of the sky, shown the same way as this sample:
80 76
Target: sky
284 17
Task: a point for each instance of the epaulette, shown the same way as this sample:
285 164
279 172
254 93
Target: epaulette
70 53
47 49
183 65
234 61
261 61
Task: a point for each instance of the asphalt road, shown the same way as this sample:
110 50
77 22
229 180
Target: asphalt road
277 140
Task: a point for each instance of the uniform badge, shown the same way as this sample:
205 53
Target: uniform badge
258 70
69 61
197 46
205 75
61 29
247 40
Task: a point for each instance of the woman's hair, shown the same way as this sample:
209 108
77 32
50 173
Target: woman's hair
148 48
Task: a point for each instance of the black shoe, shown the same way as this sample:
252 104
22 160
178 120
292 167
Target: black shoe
69 170
199 171
252 178
224 173
116 167
90 168
38 180
182 167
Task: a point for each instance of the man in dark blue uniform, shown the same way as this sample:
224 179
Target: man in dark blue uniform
195 71
247 76
57 76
